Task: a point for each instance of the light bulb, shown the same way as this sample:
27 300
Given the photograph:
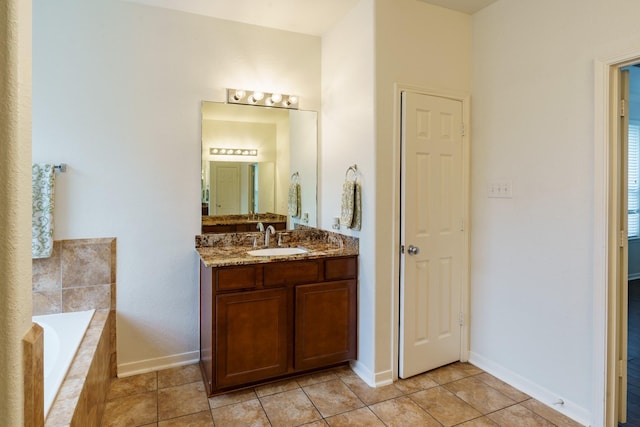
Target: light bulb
276 97
238 95
258 96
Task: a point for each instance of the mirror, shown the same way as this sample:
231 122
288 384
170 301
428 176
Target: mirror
249 155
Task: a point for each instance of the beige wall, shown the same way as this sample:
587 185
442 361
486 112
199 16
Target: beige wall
15 202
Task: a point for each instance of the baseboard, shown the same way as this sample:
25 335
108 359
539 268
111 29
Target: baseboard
568 408
368 376
159 363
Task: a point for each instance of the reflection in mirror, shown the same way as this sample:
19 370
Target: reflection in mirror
269 146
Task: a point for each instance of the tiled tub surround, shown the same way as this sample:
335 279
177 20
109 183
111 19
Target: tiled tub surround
218 250
81 275
81 399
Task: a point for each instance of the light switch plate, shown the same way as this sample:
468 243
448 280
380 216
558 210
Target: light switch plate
500 190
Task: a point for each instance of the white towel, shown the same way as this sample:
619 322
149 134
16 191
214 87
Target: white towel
43 189
348 203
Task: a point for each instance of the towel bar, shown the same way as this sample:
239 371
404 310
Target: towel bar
353 169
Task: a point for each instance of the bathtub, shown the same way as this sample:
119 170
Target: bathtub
63 334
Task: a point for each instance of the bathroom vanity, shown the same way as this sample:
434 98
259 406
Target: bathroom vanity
268 317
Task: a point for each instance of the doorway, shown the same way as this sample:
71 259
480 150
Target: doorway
629 393
610 240
433 272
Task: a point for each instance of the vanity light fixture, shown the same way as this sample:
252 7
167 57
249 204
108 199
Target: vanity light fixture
264 99
233 152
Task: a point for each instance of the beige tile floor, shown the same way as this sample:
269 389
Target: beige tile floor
455 395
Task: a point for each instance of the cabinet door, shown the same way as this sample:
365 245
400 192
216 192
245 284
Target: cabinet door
325 324
251 336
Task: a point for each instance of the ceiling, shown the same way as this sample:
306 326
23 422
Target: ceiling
301 16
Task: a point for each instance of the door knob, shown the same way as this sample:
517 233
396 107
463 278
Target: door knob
413 250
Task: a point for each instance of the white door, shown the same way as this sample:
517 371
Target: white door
431 233
226 188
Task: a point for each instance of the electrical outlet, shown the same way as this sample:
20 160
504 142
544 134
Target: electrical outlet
501 190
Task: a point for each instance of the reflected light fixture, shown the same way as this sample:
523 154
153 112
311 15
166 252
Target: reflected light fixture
264 99
233 151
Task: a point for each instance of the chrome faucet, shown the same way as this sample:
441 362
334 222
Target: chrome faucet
260 226
271 230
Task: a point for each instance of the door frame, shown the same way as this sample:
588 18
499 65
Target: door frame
465 99
606 262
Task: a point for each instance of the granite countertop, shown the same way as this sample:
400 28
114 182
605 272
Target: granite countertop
242 219
231 248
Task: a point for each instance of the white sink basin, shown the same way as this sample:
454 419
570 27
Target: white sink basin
277 251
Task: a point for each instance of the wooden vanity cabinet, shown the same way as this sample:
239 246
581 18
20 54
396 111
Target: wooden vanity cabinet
241 227
260 322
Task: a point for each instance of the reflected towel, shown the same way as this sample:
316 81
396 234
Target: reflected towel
42 188
348 203
294 200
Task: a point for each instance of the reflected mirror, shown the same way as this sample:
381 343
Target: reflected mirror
249 156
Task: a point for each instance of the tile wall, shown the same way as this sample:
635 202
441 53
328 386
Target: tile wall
79 275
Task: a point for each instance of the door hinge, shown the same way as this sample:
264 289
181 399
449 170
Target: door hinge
622 372
462 129
461 319
401 249
623 236
461 224
623 108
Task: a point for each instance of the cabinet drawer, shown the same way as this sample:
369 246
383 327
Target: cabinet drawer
341 268
286 273
234 278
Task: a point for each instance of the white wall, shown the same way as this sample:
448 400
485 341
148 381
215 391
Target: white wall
375 46
425 46
532 282
303 131
348 137
117 89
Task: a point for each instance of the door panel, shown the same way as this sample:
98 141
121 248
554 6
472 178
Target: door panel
432 211
226 188
251 336
326 323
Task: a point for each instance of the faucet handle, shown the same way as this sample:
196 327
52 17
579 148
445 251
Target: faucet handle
280 236
255 239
